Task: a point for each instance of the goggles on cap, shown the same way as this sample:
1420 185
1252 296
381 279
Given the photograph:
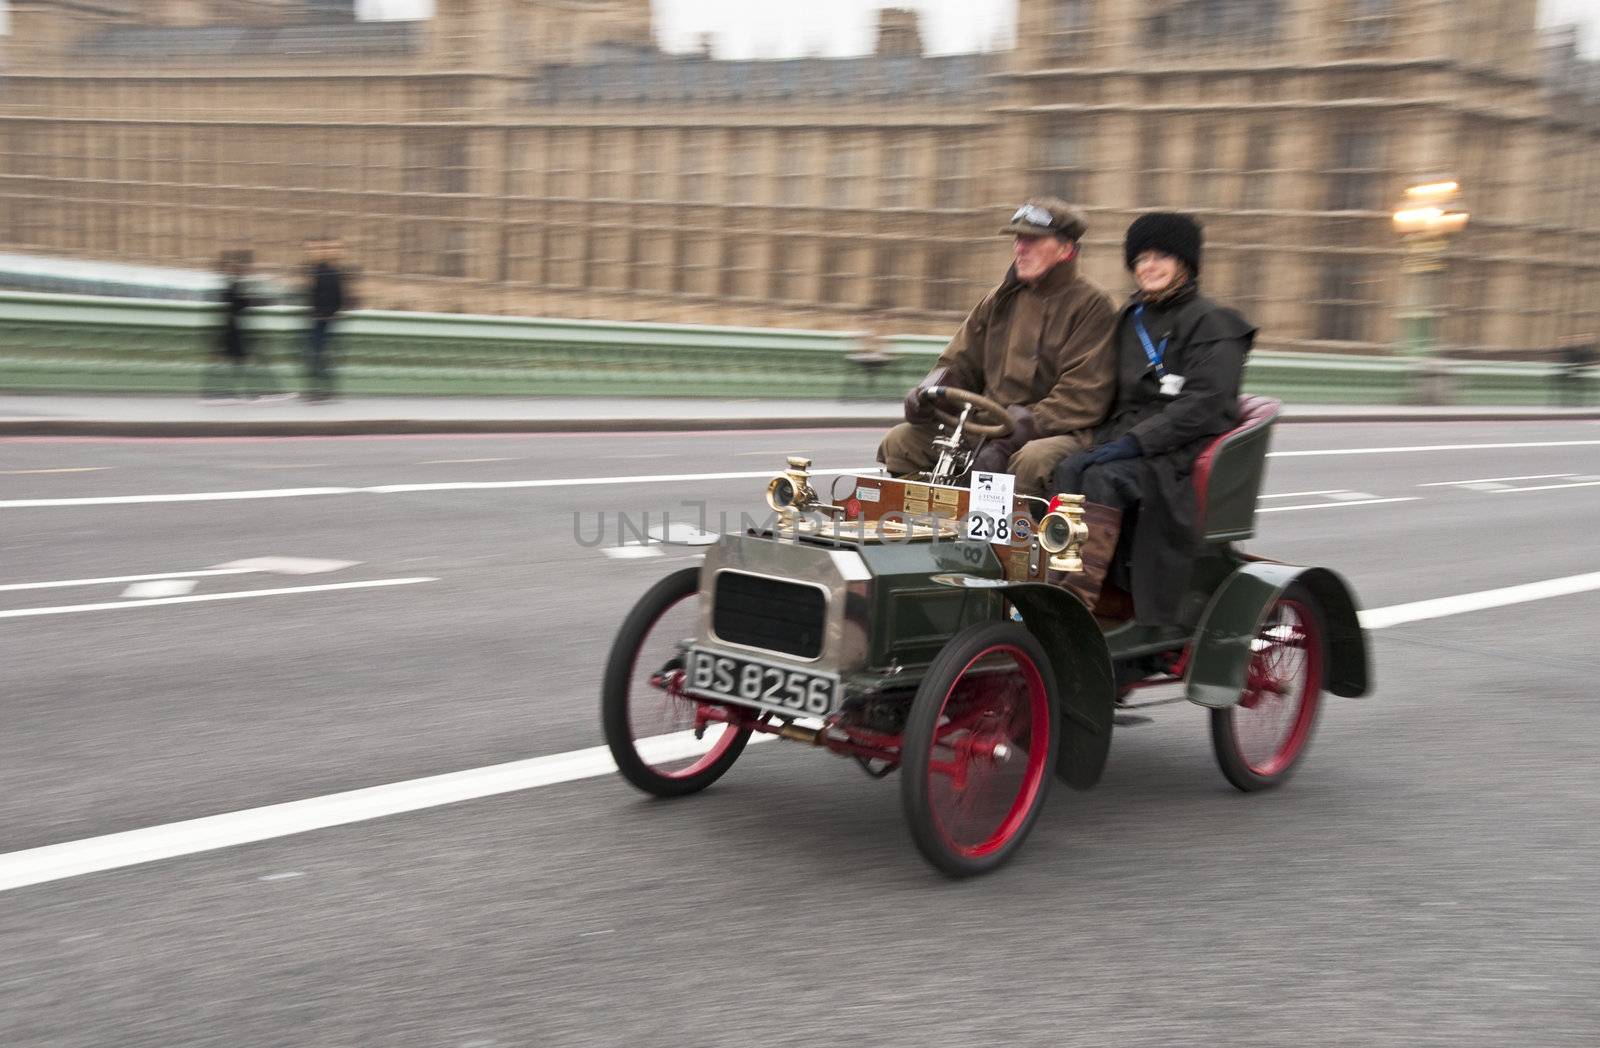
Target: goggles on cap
1034 215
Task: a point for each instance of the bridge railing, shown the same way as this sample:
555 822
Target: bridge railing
63 343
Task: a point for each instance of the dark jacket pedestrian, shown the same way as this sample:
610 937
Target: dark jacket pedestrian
327 299
1038 345
236 302
229 374
1180 362
1573 358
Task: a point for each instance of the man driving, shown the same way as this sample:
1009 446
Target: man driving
1039 345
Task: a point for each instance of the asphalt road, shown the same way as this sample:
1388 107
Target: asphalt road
1428 877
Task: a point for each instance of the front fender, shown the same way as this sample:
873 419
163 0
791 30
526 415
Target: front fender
1221 654
1086 688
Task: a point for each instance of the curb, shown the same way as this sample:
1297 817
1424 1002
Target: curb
64 427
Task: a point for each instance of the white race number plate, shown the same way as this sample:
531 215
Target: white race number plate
764 685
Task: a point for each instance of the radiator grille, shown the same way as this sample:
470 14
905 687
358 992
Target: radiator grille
771 614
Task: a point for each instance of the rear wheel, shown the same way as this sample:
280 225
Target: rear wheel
650 724
1259 740
979 748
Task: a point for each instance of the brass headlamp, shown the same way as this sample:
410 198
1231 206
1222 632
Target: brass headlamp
1062 533
790 493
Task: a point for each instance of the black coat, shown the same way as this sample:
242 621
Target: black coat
235 301
1207 345
325 291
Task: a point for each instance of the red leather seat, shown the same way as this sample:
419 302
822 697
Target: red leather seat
1229 472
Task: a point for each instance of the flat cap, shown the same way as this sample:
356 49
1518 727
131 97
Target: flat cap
1046 217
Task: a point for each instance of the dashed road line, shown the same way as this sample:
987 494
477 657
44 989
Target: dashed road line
1492 480
1549 487
401 489
56 862
109 580
1337 505
1398 450
452 462
74 609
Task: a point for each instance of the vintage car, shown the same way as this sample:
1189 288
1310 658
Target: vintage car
921 625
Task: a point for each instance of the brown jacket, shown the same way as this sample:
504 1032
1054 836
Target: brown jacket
1047 347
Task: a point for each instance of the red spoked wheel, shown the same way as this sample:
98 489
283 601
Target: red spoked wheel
1259 740
660 740
979 748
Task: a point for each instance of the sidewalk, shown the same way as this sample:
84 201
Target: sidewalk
154 416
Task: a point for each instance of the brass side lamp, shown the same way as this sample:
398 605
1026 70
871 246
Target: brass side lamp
1062 533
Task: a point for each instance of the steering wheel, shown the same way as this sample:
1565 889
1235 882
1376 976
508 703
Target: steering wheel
988 419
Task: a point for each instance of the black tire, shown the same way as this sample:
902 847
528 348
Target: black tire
1009 700
634 708
1260 740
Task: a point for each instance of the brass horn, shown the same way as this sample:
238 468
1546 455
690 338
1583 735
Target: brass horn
1062 533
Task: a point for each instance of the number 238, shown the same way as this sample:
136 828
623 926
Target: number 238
993 529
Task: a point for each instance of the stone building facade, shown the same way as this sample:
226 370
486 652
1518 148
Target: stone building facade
541 156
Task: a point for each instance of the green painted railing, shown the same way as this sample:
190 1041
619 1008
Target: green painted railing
83 343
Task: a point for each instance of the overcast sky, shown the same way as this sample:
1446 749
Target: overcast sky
766 29
754 28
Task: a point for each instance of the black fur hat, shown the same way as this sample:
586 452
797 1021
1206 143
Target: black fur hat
1177 234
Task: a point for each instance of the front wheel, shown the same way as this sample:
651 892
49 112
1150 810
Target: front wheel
1259 740
651 726
979 747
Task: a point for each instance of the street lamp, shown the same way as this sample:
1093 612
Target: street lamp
1426 219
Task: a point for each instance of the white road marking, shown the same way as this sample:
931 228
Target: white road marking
451 462
62 469
665 478
1336 505
398 489
160 588
134 847
1492 480
631 552
1299 494
10 586
192 496
1439 607
287 875
1550 487
1436 447
73 609
289 565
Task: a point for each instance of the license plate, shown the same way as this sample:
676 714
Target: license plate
764 685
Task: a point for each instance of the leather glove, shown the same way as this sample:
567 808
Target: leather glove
917 407
993 457
1026 430
1125 447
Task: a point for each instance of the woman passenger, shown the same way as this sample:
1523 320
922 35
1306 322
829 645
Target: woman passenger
1180 360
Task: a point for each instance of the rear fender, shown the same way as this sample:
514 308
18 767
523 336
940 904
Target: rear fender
1085 688
1232 620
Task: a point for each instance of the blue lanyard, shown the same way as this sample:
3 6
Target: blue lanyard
1154 352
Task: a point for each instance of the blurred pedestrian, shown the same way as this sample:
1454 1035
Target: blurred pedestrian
1573 357
1038 345
1180 361
235 351
326 298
